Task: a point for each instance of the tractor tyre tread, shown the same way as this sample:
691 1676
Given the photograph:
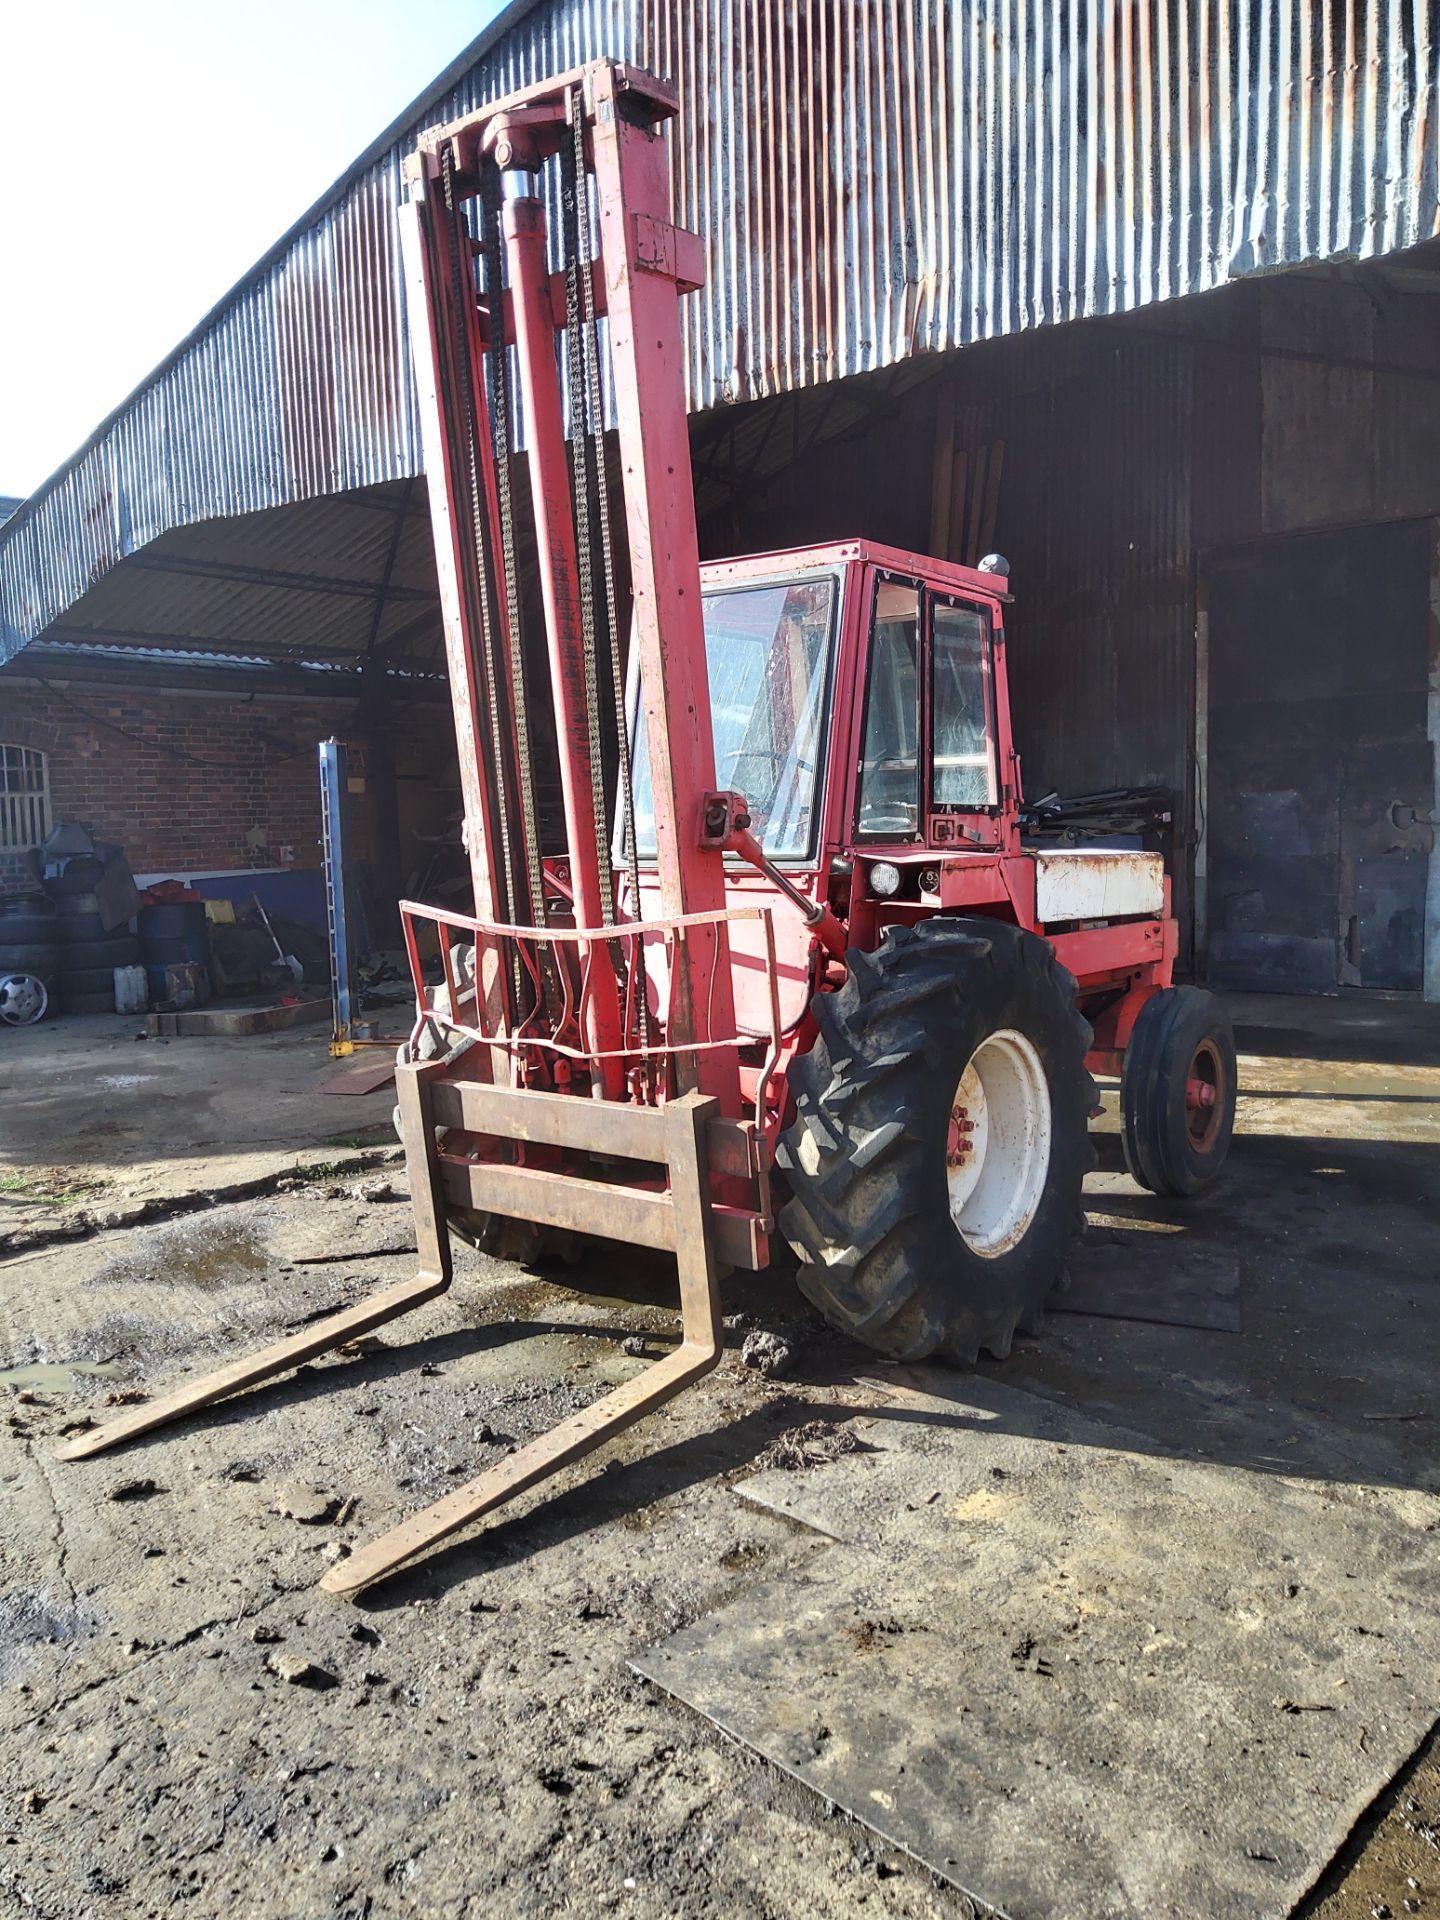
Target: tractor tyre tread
868 1213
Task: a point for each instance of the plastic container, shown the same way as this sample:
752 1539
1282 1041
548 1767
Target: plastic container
132 990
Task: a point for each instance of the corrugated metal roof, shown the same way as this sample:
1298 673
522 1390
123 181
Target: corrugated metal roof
336 579
874 178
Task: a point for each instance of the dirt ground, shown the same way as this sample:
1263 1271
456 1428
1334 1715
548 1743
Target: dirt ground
101 1126
187 1719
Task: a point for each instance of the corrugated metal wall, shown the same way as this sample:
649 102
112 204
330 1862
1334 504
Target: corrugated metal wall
1095 513
873 178
1133 452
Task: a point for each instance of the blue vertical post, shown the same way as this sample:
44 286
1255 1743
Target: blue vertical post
332 817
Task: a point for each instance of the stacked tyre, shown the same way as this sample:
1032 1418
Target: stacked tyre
30 941
89 951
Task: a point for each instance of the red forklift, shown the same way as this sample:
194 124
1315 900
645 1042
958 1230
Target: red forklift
792 979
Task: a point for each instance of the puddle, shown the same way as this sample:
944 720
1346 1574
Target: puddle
534 1358
120 1081
209 1254
561 1289
59 1376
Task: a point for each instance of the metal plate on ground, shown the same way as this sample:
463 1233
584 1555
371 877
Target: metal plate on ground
1158 1277
1076 1677
366 1078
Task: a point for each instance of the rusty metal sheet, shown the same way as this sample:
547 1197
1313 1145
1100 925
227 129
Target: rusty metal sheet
1068 1673
873 179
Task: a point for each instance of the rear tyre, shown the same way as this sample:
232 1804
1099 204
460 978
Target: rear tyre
79 877
941 1140
78 906
78 928
24 928
1177 1091
75 981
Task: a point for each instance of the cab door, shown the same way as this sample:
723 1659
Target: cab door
964 768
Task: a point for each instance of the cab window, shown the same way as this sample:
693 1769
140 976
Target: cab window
963 760
768 650
889 760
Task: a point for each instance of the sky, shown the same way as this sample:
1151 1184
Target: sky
150 152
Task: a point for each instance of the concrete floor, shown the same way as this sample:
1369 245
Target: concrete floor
156 1750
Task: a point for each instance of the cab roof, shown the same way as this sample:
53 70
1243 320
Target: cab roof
764 566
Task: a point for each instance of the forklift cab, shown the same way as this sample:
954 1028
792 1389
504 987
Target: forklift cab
857 702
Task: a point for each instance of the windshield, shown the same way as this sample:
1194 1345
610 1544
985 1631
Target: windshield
768 651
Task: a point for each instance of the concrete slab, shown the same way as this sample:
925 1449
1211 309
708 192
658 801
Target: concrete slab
185 1718
1146 1276
237 1022
1073 1681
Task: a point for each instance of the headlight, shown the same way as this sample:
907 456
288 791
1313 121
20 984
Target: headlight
884 879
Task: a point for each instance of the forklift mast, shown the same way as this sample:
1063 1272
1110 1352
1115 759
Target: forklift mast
551 1093
599 128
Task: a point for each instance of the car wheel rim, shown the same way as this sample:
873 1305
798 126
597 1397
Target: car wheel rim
997 1153
23 999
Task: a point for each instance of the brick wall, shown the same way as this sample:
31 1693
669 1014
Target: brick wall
194 782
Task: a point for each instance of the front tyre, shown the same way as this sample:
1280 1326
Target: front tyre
940 1141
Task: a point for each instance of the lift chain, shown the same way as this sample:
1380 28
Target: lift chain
500 433
607 567
581 451
482 572
587 412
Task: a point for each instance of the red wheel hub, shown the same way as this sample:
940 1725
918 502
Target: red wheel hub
1205 1092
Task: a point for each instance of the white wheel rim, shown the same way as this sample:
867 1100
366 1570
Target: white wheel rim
23 999
998 1147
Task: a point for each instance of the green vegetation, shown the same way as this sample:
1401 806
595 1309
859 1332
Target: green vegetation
56 1187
